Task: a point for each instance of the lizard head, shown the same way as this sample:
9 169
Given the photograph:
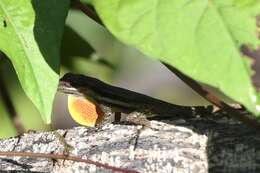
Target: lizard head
76 84
81 105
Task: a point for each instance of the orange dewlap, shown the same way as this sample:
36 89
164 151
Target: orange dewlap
84 111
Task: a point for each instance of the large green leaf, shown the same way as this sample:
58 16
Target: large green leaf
30 35
201 38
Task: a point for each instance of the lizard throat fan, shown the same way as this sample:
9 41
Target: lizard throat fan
84 112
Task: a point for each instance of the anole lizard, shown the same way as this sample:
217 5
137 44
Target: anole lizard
106 99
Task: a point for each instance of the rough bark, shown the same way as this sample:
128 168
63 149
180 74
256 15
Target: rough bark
198 145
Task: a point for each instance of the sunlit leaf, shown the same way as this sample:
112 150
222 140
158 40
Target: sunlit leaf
30 35
201 38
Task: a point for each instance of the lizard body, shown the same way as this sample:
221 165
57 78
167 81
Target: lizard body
122 100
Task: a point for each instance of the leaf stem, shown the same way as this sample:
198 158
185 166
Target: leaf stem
87 10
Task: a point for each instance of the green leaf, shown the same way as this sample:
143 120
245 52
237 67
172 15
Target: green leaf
201 38
244 2
86 1
30 35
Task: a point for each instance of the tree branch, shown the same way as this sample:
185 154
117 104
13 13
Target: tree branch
87 10
234 113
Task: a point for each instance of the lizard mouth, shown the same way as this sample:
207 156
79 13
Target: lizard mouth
66 88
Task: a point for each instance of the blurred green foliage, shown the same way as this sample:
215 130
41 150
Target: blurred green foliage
7 128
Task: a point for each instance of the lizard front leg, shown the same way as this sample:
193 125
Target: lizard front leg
137 118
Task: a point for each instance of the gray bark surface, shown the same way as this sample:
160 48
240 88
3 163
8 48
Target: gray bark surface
196 145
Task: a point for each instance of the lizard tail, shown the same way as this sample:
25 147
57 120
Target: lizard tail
181 112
